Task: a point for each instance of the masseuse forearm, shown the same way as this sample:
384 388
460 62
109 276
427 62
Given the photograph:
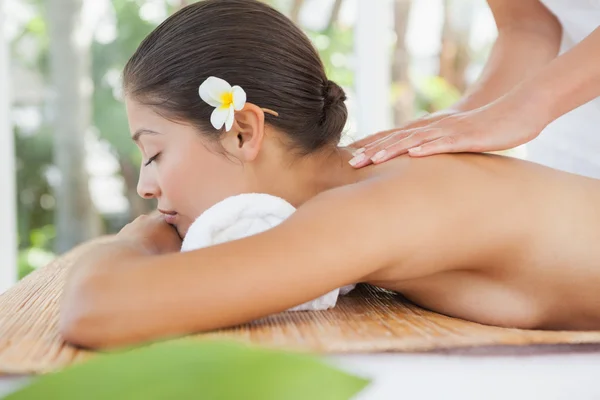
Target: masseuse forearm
567 82
518 54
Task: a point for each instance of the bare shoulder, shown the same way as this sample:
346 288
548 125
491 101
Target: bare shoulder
385 219
349 222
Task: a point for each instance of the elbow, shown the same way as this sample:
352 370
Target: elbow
83 317
546 30
77 330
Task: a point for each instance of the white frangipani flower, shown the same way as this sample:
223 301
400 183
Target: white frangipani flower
225 98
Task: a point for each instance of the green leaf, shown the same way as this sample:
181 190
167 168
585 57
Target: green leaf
37 26
196 369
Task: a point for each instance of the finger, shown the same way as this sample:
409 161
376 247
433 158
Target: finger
388 141
446 144
371 138
417 138
362 156
384 142
360 160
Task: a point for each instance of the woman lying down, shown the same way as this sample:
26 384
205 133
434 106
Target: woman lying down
229 97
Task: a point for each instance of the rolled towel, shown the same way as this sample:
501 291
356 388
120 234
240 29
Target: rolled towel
245 215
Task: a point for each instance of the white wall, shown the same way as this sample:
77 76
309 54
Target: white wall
8 239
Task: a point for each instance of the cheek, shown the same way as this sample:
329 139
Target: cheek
199 179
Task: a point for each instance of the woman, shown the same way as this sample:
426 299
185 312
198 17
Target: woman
524 89
424 227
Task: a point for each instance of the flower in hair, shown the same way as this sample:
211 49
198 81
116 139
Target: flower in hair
225 98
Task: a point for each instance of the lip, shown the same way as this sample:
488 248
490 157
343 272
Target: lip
169 216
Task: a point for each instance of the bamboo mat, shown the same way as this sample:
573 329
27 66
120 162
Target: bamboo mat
366 320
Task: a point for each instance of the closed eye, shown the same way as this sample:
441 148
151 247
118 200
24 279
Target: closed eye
151 159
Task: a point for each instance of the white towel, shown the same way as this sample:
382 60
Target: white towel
245 215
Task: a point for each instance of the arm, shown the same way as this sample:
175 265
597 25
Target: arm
568 82
127 296
519 116
103 258
529 37
515 118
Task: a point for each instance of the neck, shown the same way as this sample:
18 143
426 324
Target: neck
301 179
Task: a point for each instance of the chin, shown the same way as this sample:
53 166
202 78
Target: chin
182 230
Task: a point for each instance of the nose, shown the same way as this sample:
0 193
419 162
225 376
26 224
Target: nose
147 186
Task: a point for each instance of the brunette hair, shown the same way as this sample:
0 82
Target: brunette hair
249 44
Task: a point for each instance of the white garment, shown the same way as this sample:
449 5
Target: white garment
572 142
245 215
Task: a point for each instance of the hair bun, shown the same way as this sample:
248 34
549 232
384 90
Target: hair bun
333 94
335 112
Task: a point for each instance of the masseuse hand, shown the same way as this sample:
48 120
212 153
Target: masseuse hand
377 138
152 234
500 125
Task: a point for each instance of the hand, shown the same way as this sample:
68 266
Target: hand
500 125
152 233
375 139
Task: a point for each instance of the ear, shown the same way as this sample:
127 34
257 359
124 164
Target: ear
245 138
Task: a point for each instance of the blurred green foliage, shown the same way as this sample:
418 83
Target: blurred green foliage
435 93
34 149
193 369
36 255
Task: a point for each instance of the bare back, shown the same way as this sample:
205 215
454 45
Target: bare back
507 242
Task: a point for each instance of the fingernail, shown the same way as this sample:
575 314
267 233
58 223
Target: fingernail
359 151
415 149
357 159
379 155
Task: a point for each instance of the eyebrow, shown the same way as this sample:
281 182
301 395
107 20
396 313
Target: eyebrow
143 131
